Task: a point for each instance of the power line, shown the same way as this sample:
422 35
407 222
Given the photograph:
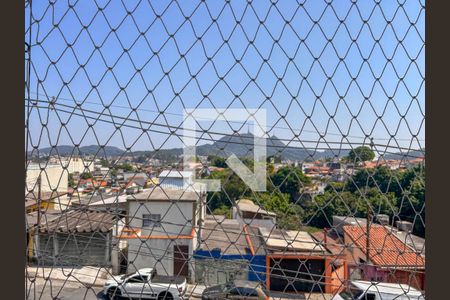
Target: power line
204 118
173 133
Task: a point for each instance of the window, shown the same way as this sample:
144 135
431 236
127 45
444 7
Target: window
370 297
137 279
151 220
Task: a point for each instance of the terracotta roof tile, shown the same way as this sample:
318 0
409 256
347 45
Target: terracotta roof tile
386 249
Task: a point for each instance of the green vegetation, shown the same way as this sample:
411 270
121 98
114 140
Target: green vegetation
233 188
217 161
71 180
223 211
290 180
86 176
104 163
400 194
361 154
125 166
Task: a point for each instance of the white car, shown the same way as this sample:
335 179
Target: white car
366 290
146 284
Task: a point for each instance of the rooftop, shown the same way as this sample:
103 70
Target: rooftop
415 242
290 240
31 198
330 241
386 250
47 215
226 235
80 221
175 174
159 194
109 200
246 205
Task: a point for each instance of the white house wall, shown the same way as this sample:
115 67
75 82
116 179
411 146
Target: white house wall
176 218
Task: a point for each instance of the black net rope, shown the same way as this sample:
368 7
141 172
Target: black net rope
110 86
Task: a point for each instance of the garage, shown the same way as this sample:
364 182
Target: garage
296 274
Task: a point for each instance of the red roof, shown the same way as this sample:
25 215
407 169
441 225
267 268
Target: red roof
386 250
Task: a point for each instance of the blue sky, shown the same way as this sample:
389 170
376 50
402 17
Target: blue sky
296 59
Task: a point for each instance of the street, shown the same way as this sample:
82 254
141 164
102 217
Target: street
59 289
55 289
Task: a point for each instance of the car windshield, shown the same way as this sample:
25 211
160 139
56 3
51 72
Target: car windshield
351 294
126 275
227 286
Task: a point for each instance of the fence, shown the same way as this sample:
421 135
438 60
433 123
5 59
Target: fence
276 142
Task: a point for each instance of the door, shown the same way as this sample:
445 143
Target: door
180 260
306 275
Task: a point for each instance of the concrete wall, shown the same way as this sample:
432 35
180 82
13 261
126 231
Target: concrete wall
80 249
158 254
338 279
218 271
211 267
53 177
176 218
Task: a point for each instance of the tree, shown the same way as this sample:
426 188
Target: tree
289 215
382 177
361 154
412 204
104 163
71 180
232 189
290 180
332 203
217 161
223 211
86 176
126 167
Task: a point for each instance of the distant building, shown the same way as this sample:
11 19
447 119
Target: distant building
390 259
338 175
246 212
175 179
78 165
47 201
180 180
53 179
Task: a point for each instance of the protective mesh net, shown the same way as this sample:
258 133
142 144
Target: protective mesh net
111 190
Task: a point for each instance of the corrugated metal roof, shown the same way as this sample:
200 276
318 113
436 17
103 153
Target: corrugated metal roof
175 174
385 249
246 205
290 240
227 236
81 221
